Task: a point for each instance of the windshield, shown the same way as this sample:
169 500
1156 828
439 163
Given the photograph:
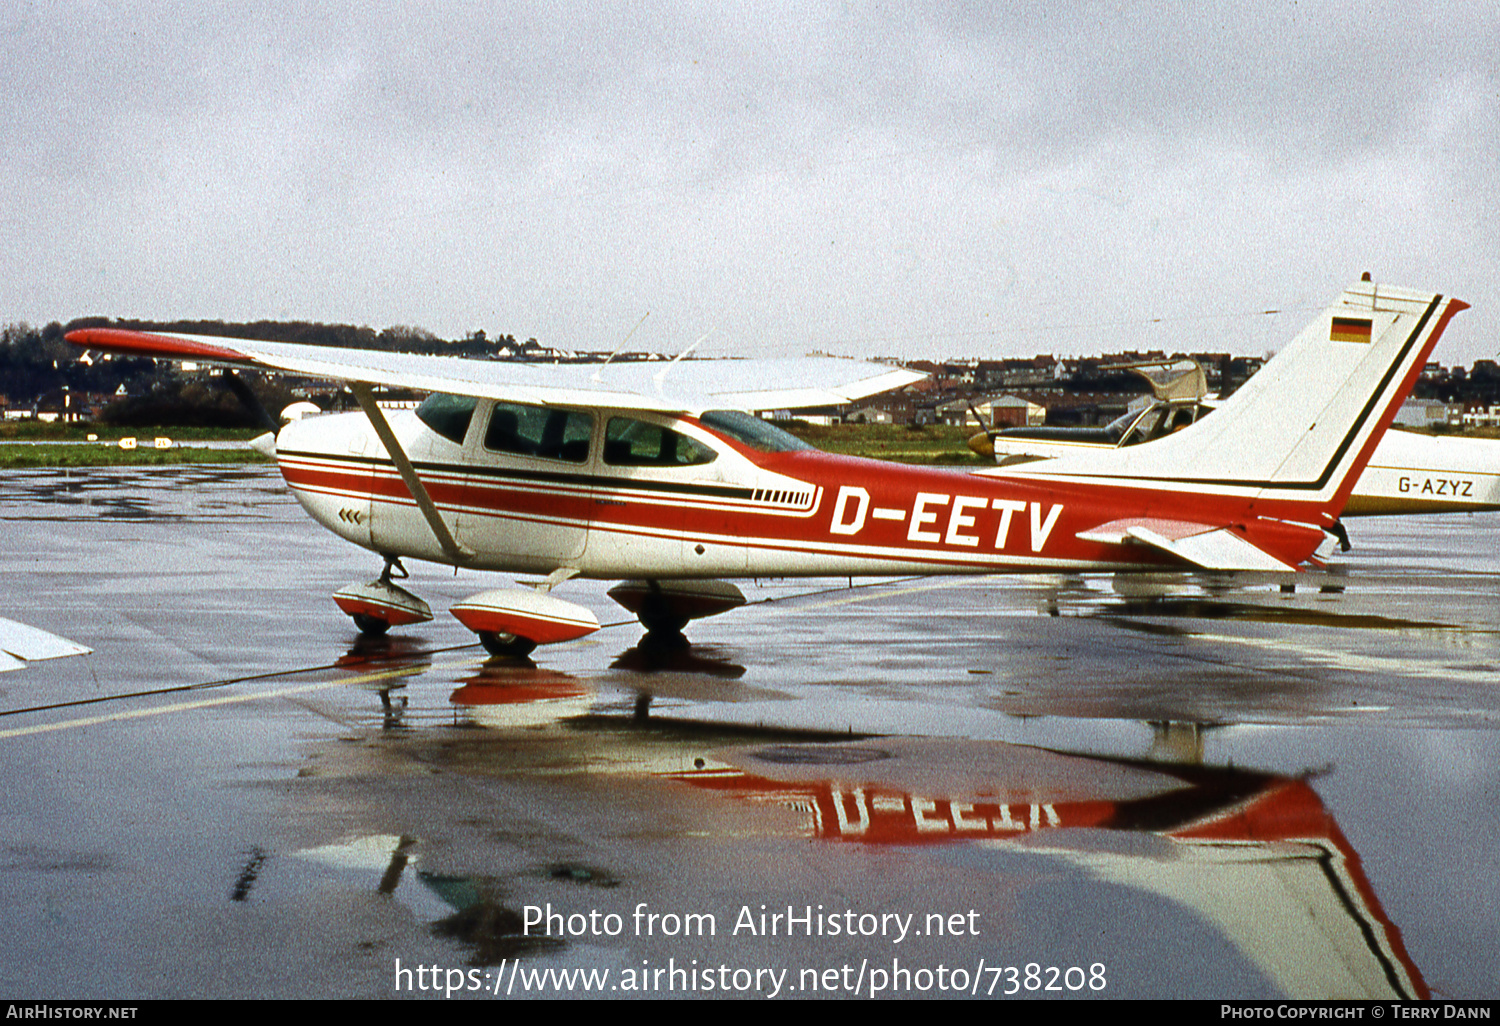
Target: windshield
1115 428
1158 421
752 431
448 415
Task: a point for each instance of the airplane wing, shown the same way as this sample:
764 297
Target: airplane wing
680 386
20 644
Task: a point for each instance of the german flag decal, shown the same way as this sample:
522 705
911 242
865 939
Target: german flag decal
1349 329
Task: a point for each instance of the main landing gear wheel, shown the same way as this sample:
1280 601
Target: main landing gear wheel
663 624
664 632
498 643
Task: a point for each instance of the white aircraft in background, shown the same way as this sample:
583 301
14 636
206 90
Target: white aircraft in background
660 475
1409 472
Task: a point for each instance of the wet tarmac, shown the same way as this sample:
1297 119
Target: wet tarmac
1047 787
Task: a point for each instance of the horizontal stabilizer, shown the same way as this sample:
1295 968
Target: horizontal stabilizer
21 644
1202 545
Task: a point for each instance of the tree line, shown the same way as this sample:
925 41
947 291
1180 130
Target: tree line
36 363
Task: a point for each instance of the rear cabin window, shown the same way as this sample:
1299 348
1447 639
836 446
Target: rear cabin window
638 443
448 415
539 431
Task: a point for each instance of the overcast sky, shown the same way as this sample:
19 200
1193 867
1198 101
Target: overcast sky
907 179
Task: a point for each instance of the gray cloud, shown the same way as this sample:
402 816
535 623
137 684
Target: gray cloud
933 179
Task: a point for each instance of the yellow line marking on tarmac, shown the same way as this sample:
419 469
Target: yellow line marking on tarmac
208 703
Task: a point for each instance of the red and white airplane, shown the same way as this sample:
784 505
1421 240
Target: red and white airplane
659 475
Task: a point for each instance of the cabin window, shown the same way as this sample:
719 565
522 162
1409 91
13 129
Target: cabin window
638 443
539 431
448 415
751 430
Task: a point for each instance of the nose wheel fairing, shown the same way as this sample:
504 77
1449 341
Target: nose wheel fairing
379 605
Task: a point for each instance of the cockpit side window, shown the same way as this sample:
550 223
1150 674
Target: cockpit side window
448 415
540 431
637 443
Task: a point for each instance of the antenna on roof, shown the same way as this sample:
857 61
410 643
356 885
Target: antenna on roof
661 375
600 370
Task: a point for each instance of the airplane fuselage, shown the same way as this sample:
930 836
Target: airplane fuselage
617 494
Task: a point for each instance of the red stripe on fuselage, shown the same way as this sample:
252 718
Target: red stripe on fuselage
869 510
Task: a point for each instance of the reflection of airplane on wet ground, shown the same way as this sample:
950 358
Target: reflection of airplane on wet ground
1409 472
21 644
1255 855
635 472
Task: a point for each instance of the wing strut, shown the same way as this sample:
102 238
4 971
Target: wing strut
366 397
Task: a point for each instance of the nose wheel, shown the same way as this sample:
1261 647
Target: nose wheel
377 606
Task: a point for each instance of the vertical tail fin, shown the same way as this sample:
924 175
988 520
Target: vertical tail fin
1304 426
